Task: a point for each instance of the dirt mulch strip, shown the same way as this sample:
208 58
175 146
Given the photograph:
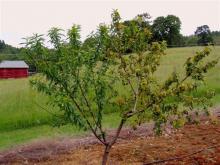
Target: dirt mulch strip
134 147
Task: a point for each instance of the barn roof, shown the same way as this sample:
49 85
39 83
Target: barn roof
13 64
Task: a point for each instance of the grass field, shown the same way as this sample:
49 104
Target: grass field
21 118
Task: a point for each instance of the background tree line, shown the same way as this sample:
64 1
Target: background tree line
7 49
168 29
8 52
162 28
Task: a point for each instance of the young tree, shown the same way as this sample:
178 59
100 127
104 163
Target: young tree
83 82
204 35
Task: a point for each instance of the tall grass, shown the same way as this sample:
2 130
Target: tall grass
175 59
18 108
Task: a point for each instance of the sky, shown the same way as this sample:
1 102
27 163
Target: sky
19 18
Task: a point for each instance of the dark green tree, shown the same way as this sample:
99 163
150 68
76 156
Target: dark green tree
204 35
167 28
2 45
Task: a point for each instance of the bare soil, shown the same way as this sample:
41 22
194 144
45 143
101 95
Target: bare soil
192 144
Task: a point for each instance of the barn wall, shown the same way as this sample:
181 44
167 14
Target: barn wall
13 72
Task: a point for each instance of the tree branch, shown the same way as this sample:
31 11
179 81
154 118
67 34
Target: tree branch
90 111
129 81
87 103
130 113
81 111
87 121
46 109
123 120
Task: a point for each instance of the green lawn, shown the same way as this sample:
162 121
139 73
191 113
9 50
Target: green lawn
21 118
18 136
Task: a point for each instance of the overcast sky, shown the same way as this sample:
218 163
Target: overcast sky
19 18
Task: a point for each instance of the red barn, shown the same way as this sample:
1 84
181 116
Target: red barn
13 69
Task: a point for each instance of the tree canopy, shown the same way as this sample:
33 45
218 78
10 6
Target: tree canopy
167 28
84 83
204 35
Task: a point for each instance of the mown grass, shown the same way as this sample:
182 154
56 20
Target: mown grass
21 118
14 137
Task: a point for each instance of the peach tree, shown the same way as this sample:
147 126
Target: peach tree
83 83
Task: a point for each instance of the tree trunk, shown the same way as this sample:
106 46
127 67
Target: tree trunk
106 154
109 145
